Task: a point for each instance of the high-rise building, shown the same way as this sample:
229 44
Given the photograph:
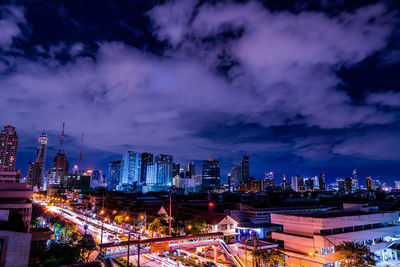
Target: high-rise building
321 181
147 159
297 184
354 181
36 169
269 180
164 169
60 165
368 181
176 169
341 185
151 174
245 168
114 170
210 173
8 148
190 172
131 165
397 184
236 177
348 181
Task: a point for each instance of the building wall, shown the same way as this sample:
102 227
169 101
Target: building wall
15 249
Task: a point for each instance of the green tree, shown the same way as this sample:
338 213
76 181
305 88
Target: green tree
157 226
269 257
353 254
197 224
61 253
87 245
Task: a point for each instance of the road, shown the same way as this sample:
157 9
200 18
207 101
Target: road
93 227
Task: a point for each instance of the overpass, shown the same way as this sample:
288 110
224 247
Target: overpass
167 244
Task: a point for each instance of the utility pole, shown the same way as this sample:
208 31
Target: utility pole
170 213
129 240
138 259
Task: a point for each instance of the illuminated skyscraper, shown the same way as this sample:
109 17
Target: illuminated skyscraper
236 177
210 174
368 181
164 169
114 170
60 165
321 181
245 168
131 166
8 148
36 169
269 180
147 159
190 172
297 184
354 181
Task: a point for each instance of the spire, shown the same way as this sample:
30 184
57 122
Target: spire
80 156
61 148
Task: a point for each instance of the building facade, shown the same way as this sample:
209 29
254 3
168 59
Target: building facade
310 238
114 172
210 174
8 148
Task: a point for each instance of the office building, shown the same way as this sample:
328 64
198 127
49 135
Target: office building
36 169
321 181
176 169
297 184
210 174
397 184
269 180
164 169
60 165
354 181
147 159
348 182
131 171
77 182
114 171
310 238
245 168
15 219
341 185
235 177
190 172
252 185
8 148
368 181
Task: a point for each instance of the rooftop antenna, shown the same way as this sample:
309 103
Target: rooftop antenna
80 156
61 148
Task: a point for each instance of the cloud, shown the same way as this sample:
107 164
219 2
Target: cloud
223 65
391 99
374 146
10 17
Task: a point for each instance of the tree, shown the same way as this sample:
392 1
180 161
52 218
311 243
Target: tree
270 258
198 225
87 244
61 253
157 226
353 254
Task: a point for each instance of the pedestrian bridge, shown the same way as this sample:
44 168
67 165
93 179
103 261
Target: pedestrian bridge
159 245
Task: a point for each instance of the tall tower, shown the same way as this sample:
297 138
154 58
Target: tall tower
60 164
245 168
8 148
36 169
190 172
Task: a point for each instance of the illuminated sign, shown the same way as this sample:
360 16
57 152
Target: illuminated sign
159 247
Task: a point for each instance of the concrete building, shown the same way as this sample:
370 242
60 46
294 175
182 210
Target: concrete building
310 238
8 148
15 218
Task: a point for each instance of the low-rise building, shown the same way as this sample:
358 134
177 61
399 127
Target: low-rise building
310 237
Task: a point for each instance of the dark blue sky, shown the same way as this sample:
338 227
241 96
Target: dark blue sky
302 87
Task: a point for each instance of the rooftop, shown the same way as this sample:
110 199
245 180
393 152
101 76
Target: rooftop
332 213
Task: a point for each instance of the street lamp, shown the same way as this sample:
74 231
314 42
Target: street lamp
189 227
102 227
309 254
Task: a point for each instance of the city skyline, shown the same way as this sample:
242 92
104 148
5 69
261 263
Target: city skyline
200 88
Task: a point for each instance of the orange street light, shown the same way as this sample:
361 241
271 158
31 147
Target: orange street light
126 218
142 217
189 227
102 212
114 211
105 219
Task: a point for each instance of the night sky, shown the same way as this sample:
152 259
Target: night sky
302 87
